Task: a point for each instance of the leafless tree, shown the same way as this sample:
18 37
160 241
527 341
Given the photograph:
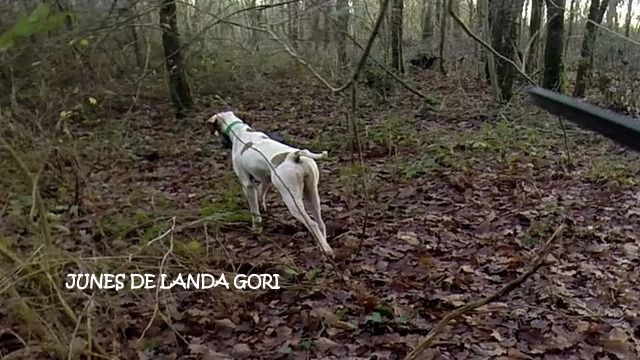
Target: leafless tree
179 89
596 13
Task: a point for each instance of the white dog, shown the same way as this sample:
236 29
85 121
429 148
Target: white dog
260 161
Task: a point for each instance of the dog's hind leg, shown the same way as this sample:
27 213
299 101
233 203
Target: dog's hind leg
296 208
312 197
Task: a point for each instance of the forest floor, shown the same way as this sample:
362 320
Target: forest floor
459 200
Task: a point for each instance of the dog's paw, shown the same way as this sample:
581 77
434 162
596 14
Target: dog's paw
325 154
329 253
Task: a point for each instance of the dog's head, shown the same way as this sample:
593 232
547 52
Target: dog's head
219 122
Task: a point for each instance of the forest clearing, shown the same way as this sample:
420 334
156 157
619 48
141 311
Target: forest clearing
447 194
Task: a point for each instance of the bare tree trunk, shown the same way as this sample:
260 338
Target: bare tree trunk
178 87
383 33
254 20
396 35
572 9
523 33
504 15
427 20
596 13
129 10
627 22
315 32
294 29
136 47
342 31
534 30
553 64
455 29
612 15
327 28
443 35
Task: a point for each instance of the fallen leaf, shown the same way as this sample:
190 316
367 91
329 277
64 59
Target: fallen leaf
455 299
324 344
409 237
242 350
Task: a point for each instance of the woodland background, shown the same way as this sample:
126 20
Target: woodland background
444 180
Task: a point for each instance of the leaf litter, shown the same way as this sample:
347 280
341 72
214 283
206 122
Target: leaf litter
452 216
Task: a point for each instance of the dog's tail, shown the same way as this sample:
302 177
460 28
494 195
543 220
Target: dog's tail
306 153
295 155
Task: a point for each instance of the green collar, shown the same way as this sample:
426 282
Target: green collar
230 126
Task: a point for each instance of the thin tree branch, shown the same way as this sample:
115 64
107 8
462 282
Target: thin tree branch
537 262
367 49
361 62
600 26
430 100
298 58
487 46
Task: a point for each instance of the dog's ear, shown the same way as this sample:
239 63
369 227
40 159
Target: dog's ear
246 117
214 124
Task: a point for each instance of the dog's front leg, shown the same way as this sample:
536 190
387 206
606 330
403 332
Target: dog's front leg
251 192
263 187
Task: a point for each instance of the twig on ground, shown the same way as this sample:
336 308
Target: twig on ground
365 187
156 308
566 142
73 352
536 263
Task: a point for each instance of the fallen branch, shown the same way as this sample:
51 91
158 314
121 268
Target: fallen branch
163 262
537 262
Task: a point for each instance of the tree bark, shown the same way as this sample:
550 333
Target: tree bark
534 30
596 13
396 35
128 10
294 28
178 87
553 63
383 33
342 7
455 29
572 10
427 20
503 24
612 15
627 22
254 20
482 9
443 35
523 34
